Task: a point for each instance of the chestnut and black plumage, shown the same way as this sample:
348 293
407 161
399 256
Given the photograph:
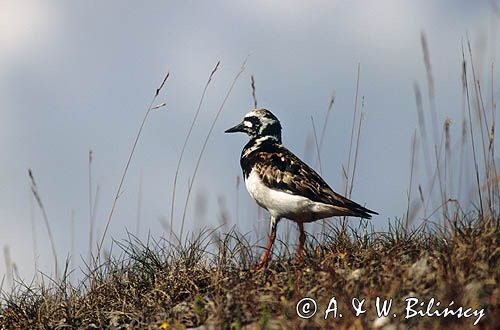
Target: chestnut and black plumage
283 184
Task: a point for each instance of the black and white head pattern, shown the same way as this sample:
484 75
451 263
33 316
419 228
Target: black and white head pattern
260 123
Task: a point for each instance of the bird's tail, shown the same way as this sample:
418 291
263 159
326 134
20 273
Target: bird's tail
361 212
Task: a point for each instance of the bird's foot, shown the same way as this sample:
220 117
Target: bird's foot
262 262
299 257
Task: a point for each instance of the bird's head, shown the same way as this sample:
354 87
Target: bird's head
259 123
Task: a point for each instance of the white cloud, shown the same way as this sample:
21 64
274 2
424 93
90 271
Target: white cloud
24 26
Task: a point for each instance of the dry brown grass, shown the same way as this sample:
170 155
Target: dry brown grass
206 281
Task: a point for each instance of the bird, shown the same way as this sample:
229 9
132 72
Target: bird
283 184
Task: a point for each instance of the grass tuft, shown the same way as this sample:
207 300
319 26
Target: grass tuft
206 280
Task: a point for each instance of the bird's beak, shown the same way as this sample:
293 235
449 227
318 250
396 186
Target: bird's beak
238 128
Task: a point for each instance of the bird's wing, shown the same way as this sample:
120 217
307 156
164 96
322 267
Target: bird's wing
280 169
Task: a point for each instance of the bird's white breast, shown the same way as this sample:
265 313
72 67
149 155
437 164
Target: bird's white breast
284 205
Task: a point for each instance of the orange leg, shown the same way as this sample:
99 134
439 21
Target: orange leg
302 238
270 241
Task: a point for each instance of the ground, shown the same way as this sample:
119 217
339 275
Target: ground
208 283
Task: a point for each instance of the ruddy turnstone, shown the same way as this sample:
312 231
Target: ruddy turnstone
283 184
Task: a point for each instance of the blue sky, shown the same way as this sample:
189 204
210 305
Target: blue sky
79 75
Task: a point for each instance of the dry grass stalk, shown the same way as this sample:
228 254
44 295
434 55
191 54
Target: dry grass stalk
9 273
476 167
422 128
354 115
188 136
166 227
214 121
132 151
430 84
347 171
319 148
412 167
439 176
492 136
327 116
253 92
358 137
91 225
33 233
36 194
316 143
432 103
422 200
464 130
448 174
447 169
72 239
237 206
318 153
483 123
